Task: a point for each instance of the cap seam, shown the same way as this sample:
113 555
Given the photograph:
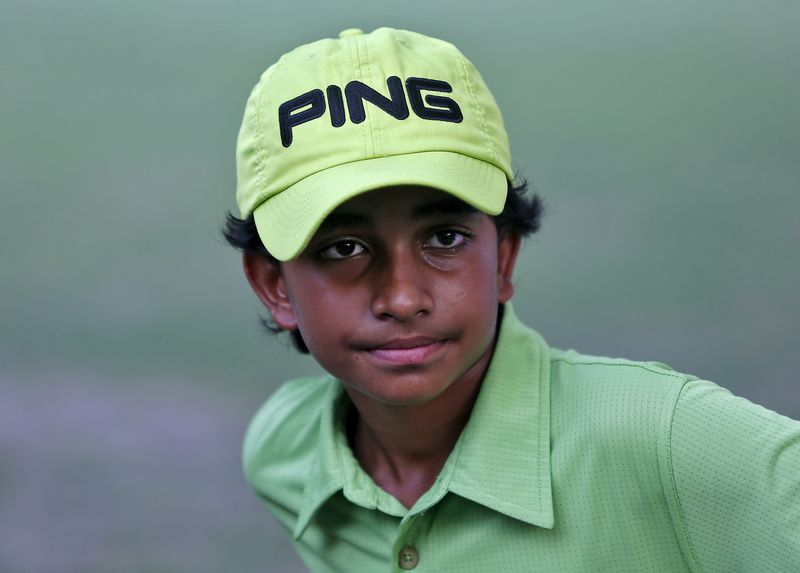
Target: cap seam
462 61
363 75
259 143
371 122
375 127
355 65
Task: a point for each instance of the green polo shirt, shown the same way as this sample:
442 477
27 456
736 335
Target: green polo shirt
568 463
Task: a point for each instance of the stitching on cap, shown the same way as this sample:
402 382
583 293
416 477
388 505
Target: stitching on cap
259 143
353 66
462 61
363 62
371 125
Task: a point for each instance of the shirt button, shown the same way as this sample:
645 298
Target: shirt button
408 558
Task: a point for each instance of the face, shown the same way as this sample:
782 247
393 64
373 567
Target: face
397 293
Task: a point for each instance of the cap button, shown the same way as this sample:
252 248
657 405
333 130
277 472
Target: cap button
351 32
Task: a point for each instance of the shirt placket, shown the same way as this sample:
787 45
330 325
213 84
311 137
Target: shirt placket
408 548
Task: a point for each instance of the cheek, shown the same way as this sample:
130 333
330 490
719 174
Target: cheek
478 277
323 311
471 293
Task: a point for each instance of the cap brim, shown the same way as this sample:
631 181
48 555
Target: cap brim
287 222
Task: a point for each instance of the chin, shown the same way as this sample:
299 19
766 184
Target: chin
403 393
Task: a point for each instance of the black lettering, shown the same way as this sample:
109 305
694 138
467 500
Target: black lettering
441 108
336 106
357 92
287 120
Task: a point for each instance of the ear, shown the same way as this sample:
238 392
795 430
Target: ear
507 251
267 282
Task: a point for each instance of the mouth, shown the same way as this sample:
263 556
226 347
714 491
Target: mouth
407 352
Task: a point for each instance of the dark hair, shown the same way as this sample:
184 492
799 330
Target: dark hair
521 216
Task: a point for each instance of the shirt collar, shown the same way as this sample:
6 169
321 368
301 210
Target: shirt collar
501 459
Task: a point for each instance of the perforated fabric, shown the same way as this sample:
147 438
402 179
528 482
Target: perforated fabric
568 463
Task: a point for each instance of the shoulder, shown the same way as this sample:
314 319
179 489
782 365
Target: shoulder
732 461
284 432
715 458
614 369
615 389
614 411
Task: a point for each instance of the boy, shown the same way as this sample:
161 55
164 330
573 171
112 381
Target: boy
381 229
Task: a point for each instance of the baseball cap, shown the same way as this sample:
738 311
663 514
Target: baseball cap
339 117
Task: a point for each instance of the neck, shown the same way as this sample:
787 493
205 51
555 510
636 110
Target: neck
403 448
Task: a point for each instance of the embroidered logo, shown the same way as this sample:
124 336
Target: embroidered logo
312 104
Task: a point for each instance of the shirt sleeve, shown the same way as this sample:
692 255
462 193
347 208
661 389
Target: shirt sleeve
736 481
280 444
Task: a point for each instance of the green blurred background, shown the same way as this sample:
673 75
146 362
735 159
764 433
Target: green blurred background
665 138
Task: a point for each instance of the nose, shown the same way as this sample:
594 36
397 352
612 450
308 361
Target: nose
401 290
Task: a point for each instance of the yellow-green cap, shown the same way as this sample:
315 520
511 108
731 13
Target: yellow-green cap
339 117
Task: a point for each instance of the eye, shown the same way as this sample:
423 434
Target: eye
342 250
447 239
